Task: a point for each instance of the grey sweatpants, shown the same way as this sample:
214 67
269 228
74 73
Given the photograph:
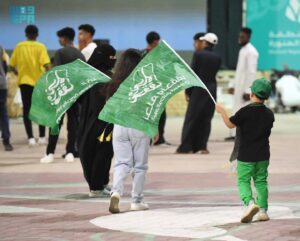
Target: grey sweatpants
131 148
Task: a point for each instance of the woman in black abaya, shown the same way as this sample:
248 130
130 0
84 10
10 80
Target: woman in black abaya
94 137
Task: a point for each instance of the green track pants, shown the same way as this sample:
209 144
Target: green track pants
258 171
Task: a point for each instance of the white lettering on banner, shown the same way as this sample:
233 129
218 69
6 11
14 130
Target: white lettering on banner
285 34
162 99
86 85
88 81
60 87
150 108
284 52
153 109
284 42
149 82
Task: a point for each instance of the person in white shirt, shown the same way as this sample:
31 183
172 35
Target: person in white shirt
288 86
85 40
245 72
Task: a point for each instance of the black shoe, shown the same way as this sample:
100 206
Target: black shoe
159 142
184 152
230 138
76 154
162 142
8 147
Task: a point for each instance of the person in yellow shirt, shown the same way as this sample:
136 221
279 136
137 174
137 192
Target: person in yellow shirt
29 60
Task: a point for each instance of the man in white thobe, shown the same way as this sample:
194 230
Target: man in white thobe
245 72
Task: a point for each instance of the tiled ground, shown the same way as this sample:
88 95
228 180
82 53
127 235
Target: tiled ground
192 197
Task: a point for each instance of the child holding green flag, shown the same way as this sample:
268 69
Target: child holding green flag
255 122
131 146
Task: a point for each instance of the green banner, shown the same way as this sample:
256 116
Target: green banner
276 32
142 97
58 89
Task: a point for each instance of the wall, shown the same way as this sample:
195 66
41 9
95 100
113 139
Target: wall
225 19
125 23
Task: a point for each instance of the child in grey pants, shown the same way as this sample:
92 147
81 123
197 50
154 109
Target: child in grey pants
131 148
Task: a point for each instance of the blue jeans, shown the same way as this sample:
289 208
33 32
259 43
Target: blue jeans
4 122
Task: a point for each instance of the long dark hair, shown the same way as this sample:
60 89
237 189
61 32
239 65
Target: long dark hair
128 61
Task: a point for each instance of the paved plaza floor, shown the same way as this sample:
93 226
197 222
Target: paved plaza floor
191 197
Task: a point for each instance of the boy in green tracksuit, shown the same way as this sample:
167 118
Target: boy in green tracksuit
255 122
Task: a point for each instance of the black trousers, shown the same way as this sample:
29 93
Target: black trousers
26 94
72 127
197 123
4 121
99 173
161 127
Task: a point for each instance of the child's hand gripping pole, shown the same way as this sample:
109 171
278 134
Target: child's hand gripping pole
221 110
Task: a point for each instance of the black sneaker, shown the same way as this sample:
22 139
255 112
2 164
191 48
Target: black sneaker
8 147
230 138
162 143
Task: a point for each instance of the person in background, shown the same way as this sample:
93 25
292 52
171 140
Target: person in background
85 40
4 120
246 70
67 54
29 60
255 122
131 146
153 40
95 136
198 44
197 123
288 89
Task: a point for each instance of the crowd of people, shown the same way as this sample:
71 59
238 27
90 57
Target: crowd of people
96 142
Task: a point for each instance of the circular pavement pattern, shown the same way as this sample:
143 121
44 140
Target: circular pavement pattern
196 222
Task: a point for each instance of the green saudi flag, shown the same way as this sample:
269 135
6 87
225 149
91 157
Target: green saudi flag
142 97
58 89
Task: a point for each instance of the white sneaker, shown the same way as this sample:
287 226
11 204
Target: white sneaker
31 142
47 159
106 192
251 210
114 205
42 141
139 206
69 157
262 215
99 194
107 188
